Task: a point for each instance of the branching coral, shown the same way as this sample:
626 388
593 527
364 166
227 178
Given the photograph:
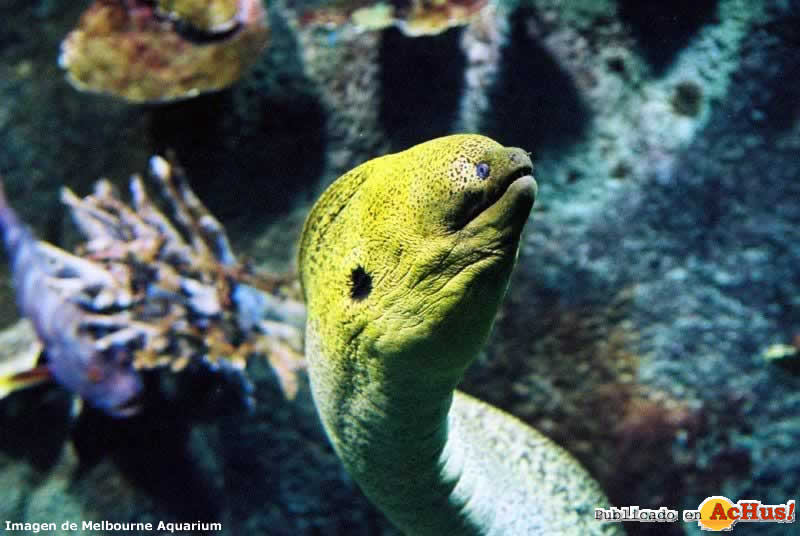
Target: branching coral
146 292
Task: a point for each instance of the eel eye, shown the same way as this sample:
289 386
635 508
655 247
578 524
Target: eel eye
482 170
360 283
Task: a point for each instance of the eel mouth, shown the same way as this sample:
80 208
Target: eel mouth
524 171
500 202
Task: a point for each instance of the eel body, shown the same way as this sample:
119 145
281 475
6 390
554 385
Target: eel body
403 263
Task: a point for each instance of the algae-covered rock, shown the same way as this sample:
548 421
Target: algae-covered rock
141 54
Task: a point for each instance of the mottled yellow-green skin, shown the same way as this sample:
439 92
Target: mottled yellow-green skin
403 262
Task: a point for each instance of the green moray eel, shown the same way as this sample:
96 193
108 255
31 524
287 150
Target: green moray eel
403 262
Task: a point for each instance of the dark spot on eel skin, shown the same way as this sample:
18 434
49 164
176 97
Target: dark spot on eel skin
360 283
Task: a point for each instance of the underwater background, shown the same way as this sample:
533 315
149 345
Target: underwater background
652 326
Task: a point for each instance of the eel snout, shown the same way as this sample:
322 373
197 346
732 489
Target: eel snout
509 200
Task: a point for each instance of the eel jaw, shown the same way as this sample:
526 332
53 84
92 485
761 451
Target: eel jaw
508 208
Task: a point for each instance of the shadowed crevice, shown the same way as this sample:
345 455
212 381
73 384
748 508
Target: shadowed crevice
662 29
152 452
422 79
35 425
535 103
781 104
248 157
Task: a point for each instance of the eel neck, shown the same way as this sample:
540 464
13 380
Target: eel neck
395 442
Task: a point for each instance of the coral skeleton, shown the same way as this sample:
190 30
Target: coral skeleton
147 291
